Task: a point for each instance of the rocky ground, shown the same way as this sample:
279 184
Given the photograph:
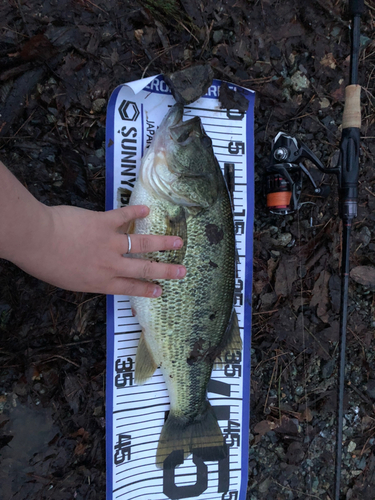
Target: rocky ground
59 62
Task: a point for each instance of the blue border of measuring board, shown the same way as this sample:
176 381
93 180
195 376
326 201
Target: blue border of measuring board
248 292
110 132
110 152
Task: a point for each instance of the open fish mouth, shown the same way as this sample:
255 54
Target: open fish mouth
183 132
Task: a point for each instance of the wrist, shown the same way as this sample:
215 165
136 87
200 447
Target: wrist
28 236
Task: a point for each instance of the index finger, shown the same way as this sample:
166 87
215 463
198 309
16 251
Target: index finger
124 215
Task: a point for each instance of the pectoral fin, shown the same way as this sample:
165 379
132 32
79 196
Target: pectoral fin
176 226
144 362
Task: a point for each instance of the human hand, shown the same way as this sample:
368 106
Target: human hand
83 251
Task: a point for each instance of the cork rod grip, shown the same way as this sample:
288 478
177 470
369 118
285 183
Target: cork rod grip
352 109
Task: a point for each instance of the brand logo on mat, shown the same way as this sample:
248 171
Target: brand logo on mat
128 111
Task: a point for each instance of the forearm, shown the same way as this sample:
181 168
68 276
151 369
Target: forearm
24 221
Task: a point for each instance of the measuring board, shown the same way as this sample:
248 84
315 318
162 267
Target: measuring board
135 414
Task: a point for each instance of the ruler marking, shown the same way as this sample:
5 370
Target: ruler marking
141 408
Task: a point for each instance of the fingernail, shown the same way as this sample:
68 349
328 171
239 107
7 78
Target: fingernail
178 243
181 271
144 211
157 291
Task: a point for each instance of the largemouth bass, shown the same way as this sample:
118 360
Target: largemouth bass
187 328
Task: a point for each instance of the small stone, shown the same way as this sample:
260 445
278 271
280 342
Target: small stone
315 485
299 390
284 239
324 103
364 236
20 388
299 82
328 368
217 36
268 299
264 486
98 411
351 447
191 83
98 105
356 472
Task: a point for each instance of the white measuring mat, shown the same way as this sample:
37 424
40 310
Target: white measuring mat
136 414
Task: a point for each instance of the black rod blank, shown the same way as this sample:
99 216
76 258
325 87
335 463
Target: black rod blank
342 358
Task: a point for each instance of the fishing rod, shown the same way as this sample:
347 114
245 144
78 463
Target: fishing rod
348 193
284 178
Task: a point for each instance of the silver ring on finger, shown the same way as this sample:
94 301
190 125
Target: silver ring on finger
129 243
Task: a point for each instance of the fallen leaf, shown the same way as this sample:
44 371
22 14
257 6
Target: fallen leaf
80 449
364 275
329 61
286 275
138 35
306 415
271 266
263 427
320 296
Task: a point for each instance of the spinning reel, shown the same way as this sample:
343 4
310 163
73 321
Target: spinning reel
284 175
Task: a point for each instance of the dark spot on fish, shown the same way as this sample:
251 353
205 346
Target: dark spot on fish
170 376
197 352
190 361
201 352
173 362
212 316
212 264
214 234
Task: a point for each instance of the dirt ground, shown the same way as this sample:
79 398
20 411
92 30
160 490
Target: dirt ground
59 62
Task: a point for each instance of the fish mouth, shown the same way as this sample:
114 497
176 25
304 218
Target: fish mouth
174 115
180 131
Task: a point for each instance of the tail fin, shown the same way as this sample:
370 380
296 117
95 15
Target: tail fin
202 435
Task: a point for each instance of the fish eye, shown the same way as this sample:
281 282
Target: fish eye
206 141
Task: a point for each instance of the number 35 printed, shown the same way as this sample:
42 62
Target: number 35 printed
124 373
